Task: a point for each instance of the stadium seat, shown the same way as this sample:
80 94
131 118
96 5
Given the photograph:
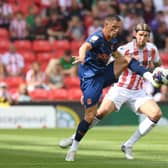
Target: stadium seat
4 34
71 82
164 59
60 45
14 82
4 46
41 46
23 45
44 57
58 54
58 94
74 94
75 45
39 94
29 57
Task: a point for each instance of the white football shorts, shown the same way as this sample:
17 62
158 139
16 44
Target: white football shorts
134 98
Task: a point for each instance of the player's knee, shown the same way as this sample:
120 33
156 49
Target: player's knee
102 112
156 115
89 117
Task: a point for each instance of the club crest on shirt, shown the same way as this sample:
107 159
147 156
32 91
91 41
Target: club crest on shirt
94 38
89 101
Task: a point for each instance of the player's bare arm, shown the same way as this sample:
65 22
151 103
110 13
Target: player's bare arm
82 53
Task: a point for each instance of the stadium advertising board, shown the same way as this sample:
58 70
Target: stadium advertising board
28 117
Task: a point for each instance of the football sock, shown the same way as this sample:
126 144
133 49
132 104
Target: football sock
136 67
81 130
94 123
74 145
144 127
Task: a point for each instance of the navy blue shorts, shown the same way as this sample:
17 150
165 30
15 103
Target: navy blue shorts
92 87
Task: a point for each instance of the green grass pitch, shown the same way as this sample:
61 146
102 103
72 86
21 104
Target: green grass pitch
37 148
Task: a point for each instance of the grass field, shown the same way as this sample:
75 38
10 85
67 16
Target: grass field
37 148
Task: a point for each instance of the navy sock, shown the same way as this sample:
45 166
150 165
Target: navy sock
136 67
81 130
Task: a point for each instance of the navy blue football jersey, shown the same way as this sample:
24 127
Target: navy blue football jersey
97 58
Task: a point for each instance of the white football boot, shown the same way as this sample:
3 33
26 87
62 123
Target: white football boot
127 151
70 157
64 143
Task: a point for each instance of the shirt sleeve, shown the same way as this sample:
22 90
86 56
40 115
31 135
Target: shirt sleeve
94 40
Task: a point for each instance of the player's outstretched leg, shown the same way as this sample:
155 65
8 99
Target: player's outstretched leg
143 129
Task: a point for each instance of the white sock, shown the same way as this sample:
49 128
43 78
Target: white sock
144 127
73 136
74 145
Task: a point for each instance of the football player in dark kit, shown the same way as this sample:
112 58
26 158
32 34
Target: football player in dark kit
100 66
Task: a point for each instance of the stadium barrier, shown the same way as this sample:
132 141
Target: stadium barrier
64 114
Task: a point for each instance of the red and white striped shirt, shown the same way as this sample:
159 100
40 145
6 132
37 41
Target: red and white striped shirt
146 56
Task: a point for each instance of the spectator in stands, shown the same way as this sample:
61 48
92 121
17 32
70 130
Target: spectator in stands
149 11
100 9
22 95
54 74
161 36
66 61
162 96
35 78
5 14
13 62
56 27
53 7
38 30
155 23
75 29
5 97
95 26
87 4
2 71
18 27
30 19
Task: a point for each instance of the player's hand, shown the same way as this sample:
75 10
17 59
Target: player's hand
78 59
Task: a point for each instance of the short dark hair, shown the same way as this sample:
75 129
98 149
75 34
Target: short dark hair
113 17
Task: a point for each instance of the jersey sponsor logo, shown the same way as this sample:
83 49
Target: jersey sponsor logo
94 38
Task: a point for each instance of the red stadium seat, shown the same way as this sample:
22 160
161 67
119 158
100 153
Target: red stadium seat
72 82
14 82
29 57
41 46
75 45
44 57
164 59
58 94
60 45
39 94
74 94
4 34
23 45
4 46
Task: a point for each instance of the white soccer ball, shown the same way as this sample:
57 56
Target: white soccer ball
160 75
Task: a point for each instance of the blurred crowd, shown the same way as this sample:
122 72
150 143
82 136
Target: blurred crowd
29 73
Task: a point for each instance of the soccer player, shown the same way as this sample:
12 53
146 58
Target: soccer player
97 72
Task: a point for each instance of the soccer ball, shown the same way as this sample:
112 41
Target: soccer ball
160 75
